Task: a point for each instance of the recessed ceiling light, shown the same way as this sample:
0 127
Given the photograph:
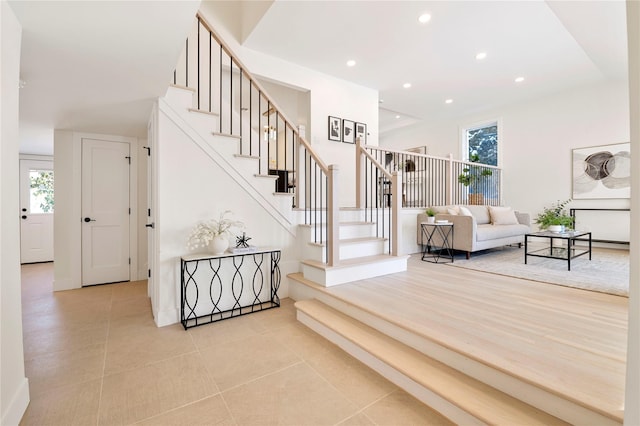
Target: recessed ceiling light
519 79
448 101
351 63
406 85
481 55
424 18
397 116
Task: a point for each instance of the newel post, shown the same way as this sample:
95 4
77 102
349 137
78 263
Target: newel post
333 247
360 181
396 210
449 181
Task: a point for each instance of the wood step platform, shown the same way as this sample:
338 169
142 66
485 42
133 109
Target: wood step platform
461 398
559 349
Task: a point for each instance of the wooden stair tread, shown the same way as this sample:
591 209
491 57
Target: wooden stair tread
203 111
474 397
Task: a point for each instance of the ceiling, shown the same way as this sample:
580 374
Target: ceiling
554 45
96 66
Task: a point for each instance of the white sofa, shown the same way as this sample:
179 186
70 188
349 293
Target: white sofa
480 227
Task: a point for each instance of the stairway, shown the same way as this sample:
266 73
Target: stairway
361 254
459 386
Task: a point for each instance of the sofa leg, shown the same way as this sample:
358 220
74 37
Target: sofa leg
468 255
519 245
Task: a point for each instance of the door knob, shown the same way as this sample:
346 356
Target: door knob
88 219
24 216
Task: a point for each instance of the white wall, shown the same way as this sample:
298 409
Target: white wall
14 386
536 141
329 97
67 226
191 188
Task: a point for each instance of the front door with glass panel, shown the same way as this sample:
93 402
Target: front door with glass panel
36 211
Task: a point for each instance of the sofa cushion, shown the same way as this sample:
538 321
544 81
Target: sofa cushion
480 213
502 216
488 232
464 211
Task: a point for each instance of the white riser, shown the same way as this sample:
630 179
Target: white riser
356 230
180 97
362 249
342 274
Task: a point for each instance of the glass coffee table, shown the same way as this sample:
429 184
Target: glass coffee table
566 250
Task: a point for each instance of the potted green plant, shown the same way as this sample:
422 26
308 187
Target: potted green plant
431 215
555 218
472 176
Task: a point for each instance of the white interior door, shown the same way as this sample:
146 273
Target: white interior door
105 211
36 211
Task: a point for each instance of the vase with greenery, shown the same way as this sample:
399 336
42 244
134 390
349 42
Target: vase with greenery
214 233
555 217
431 215
473 176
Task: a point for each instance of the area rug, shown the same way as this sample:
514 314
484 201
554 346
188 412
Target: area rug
606 272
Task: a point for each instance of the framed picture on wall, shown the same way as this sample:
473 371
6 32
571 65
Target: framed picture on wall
335 129
602 171
361 132
348 131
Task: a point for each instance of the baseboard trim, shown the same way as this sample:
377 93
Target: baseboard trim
17 406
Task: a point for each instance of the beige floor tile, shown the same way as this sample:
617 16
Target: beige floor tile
400 408
358 419
40 342
300 339
228 330
356 381
240 361
67 405
129 290
127 351
155 389
275 318
64 368
208 412
294 396
129 307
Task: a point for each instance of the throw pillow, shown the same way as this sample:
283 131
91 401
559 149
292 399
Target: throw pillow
452 211
502 216
465 211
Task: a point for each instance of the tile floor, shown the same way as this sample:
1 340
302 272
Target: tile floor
95 357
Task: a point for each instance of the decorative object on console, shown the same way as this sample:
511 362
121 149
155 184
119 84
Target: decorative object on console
348 131
555 218
472 177
242 245
213 233
335 129
602 171
242 241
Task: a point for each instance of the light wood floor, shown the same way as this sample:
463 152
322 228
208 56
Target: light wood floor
571 341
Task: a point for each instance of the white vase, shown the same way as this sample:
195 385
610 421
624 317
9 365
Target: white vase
556 228
431 219
218 245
